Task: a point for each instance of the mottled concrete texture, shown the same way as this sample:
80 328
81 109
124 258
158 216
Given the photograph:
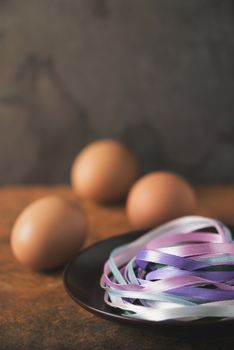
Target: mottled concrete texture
37 314
158 74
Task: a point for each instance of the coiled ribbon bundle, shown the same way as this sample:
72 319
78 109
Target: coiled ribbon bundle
182 270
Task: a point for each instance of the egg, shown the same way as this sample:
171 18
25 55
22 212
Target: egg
47 233
159 197
104 171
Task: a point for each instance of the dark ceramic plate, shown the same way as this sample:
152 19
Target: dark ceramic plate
82 278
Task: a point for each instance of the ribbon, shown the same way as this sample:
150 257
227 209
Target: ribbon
182 270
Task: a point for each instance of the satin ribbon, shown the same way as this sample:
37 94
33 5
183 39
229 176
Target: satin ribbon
181 270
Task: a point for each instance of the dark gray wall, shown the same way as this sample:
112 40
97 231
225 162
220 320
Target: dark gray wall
157 74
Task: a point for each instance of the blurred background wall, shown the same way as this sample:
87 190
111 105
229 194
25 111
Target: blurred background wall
157 74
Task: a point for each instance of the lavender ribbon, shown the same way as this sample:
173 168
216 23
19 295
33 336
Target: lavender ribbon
180 270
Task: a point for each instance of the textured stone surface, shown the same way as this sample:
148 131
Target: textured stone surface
158 74
35 311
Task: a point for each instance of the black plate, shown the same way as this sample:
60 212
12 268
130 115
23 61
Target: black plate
82 278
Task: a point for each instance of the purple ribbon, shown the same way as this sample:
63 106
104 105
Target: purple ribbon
189 261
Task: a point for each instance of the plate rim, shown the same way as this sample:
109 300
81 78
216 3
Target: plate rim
97 311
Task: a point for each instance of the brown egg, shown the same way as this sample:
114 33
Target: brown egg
48 233
104 171
159 197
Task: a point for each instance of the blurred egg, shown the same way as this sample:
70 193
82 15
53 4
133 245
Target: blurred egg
48 233
159 197
104 171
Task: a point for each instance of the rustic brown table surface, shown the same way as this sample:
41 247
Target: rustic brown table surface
36 312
